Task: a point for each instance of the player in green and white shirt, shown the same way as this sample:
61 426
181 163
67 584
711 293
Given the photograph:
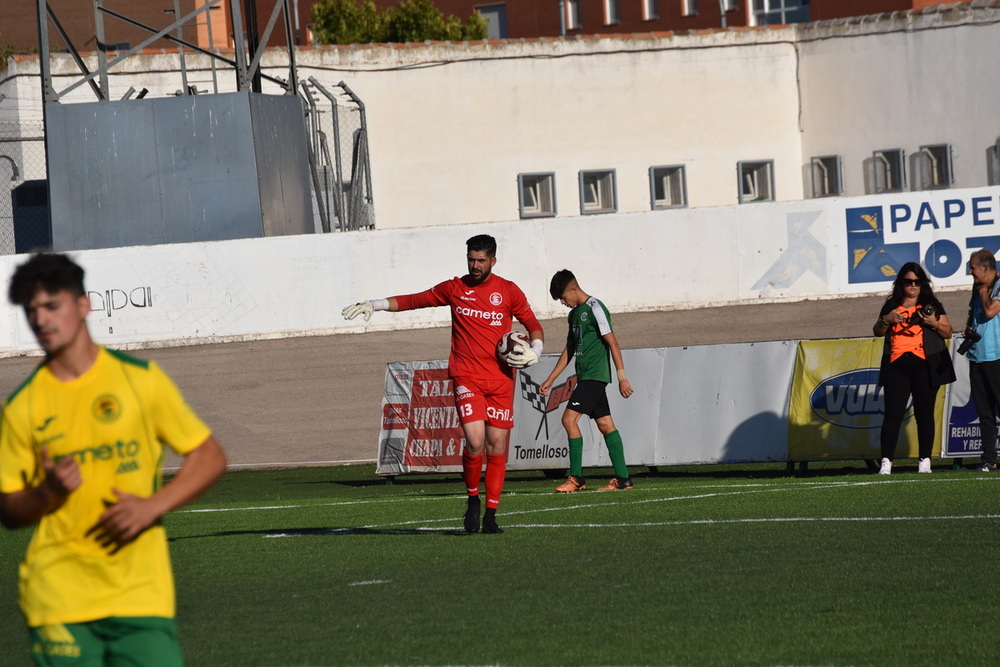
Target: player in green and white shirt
592 341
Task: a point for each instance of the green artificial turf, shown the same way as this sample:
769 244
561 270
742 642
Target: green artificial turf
715 565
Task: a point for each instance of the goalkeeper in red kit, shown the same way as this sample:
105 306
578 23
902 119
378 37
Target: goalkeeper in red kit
483 307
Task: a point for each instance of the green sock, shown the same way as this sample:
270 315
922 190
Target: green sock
616 450
576 457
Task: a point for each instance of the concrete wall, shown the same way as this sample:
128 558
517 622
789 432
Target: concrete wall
659 260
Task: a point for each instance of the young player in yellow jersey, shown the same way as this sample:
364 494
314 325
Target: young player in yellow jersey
81 441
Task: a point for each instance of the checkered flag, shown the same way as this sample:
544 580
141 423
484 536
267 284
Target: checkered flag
545 404
530 393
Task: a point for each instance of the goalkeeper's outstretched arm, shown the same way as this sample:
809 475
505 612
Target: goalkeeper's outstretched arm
365 308
425 299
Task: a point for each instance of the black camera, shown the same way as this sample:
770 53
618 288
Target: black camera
971 338
926 310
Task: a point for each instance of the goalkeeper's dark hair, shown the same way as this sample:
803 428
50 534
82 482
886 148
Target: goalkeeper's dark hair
560 281
51 272
482 243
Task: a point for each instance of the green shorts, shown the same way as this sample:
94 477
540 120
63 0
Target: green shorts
110 642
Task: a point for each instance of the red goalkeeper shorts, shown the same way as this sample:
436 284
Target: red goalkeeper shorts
491 401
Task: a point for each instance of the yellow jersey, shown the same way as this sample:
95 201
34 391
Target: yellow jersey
114 420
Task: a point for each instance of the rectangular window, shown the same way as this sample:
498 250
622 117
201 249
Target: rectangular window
756 180
993 163
689 7
667 186
496 19
826 176
650 10
889 170
935 167
537 195
612 13
779 12
731 5
573 19
598 192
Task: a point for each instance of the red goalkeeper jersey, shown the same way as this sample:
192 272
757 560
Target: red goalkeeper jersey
480 315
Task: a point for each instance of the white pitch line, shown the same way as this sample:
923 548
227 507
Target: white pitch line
628 498
806 519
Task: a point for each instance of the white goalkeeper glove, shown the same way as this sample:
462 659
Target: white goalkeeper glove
524 356
365 308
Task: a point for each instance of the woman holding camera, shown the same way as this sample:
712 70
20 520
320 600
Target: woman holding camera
915 360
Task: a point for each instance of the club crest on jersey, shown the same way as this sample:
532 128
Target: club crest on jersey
106 408
496 299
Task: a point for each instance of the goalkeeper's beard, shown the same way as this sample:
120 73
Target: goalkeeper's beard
478 276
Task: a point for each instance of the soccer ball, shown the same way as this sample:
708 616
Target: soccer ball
510 341
515 349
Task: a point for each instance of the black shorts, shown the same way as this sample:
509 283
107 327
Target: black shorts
590 398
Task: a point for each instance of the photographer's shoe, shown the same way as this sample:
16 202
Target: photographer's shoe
985 467
924 465
886 468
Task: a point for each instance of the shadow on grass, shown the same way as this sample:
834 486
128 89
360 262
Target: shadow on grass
424 479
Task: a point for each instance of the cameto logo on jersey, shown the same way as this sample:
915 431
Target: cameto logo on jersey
850 400
119 450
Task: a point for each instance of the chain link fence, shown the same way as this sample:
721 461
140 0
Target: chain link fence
24 192
338 157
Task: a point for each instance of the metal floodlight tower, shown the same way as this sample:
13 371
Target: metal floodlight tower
246 61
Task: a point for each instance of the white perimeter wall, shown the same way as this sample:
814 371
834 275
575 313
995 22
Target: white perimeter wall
295 285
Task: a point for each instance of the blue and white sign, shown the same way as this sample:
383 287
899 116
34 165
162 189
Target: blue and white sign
938 229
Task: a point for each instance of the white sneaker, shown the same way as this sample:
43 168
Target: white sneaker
886 468
924 465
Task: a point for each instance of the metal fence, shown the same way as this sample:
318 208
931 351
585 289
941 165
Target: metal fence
24 191
338 157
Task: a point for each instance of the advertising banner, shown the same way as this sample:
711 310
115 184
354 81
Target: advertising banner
749 402
538 439
938 229
421 432
837 406
420 428
962 437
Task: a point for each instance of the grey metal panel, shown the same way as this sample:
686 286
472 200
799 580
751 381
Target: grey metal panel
205 164
173 170
282 164
86 149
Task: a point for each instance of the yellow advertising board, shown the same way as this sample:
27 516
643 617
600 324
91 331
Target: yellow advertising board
836 406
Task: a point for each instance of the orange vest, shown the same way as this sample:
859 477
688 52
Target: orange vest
907 337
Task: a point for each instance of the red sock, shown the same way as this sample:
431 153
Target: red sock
472 470
496 472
